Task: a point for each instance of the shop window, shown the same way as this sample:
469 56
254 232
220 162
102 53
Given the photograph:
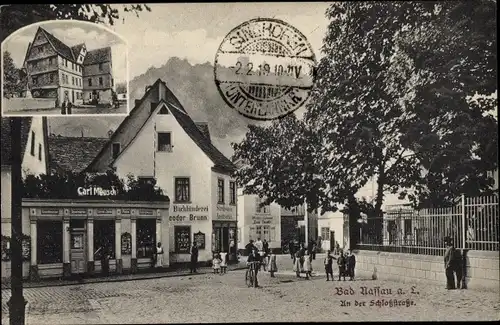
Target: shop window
220 191
49 241
182 239
32 151
232 193
146 237
164 141
116 150
104 236
182 190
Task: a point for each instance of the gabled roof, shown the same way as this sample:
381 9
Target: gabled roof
61 48
98 56
73 154
6 138
122 125
203 127
77 49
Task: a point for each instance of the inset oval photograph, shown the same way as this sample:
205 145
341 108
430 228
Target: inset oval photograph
64 67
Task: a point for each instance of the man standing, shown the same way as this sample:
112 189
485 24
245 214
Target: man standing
265 248
194 257
449 263
351 264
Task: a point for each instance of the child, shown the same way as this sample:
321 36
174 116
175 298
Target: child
329 266
341 262
272 265
223 263
307 264
216 263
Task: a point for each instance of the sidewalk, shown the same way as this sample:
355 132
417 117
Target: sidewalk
165 273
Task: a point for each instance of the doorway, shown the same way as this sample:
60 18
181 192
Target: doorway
78 256
224 239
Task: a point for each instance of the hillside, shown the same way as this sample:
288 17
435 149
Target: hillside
195 88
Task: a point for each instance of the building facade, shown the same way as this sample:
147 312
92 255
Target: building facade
258 221
56 70
158 140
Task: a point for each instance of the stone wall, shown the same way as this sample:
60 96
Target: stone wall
482 268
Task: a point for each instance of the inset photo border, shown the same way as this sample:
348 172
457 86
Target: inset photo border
65 68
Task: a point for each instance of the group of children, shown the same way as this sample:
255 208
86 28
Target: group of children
219 263
346 263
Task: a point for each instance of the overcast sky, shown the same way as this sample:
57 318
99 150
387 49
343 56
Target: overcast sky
195 30
71 33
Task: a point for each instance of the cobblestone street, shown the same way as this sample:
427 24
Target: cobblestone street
216 298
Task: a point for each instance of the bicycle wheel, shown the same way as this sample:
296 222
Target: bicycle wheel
249 278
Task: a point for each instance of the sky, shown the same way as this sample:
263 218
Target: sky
71 33
194 31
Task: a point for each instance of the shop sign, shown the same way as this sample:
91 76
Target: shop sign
96 191
189 213
199 238
224 213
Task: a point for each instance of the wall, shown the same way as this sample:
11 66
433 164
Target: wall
93 69
482 268
44 45
107 82
142 159
335 222
127 132
32 164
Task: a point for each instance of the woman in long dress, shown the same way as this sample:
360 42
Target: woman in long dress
159 256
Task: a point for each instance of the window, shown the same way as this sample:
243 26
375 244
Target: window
104 237
164 142
182 236
259 208
100 81
40 151
146 237
325 233
220 191
182 190
66 63
34 80
116 150
49 241
51 77
73 80
232 193
90 81
32 143
100 67
72 66
50 61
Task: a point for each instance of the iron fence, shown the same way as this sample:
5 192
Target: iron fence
472 224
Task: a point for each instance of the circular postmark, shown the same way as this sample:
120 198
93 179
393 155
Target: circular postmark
265 68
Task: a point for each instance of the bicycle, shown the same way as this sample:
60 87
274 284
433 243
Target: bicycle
251 275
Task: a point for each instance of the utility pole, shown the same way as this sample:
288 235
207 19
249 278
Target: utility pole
16 303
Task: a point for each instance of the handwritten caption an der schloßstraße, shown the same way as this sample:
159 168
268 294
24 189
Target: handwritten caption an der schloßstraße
381 297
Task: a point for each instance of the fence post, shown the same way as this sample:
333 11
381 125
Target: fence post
464 231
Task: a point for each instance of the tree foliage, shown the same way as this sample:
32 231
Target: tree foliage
65 186
277 163
392 98
14 17
11 77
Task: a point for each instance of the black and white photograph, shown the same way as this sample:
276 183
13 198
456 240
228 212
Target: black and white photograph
64 68
278 162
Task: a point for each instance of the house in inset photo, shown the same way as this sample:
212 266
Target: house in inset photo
63 66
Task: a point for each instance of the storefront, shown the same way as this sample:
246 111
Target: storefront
224 230
68 237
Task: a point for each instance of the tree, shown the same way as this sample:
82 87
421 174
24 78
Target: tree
277 163
387 106
10 75
121 88
14 17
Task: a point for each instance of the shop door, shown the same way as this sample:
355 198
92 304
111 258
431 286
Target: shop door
225 239
77 254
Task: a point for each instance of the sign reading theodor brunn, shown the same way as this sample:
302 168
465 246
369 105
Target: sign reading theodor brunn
264 69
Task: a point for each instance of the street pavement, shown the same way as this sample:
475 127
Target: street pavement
225 298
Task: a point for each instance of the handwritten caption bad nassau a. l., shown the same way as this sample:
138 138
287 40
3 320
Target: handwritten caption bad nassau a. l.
376 296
